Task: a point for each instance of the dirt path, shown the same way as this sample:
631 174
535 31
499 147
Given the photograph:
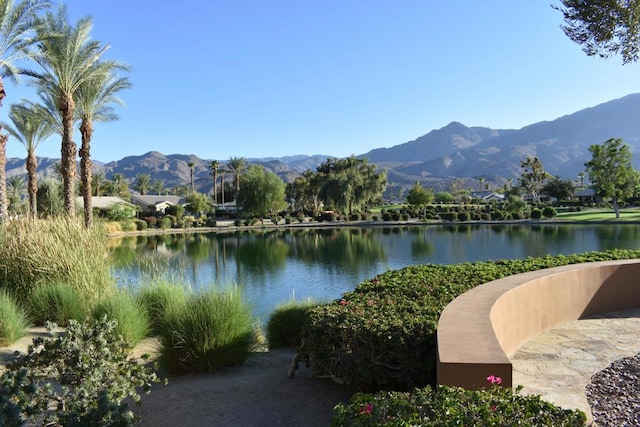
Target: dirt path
259 393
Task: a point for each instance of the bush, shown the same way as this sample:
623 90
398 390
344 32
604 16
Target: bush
392 320
112 227
81 378
56 302
34 252
549 212
140 224
157 299
13 320
166 222
454 406
536 213
151 221
286 322
209 331
132 320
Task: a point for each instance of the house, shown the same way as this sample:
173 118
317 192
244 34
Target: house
102 203
587 195
156 205
487 196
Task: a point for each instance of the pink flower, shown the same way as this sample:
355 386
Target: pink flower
343 302
492 379
367 409
493 408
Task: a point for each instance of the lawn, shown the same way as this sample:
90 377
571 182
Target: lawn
632 214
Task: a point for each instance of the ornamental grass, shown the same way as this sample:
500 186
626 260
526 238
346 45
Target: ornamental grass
210 330
13 320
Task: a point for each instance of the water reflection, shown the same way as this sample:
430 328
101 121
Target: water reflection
322 263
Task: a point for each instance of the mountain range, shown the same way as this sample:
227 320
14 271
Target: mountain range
435 159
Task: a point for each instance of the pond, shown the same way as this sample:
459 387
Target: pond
273 266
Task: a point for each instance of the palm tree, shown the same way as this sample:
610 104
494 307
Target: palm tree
143 183
17 23
68 59
222 171
237 166
98 181
213 167
94 97
158 186
119 185
30 128
193 187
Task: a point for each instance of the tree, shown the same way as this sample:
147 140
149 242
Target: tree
68 58
533 178
610 171
560 189
262 192
158 186
142 183
119 186
350 183
604 27
94 98
98 183
213 167
197 204
18 21
304 193
193 184
16 187
419 196
30 127
237 166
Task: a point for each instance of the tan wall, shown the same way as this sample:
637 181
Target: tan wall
480 329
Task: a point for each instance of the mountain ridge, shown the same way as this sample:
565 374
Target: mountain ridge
454 151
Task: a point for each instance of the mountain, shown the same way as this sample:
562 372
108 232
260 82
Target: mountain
435 159
472 152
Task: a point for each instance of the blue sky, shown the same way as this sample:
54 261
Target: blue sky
258 78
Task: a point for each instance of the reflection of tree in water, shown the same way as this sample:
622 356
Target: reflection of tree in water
263 253
618 236
347 248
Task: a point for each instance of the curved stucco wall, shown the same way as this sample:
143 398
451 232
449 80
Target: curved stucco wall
482 328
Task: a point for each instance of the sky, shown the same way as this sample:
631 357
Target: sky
255 79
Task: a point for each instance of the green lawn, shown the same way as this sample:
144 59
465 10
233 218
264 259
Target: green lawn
601 215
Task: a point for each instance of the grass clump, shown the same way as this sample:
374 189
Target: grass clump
286 323
158 298
34 252
56 302
211 330
13 320
132 320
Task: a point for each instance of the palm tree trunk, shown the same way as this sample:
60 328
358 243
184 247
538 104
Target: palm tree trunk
86 130
32 186
68 154
4 202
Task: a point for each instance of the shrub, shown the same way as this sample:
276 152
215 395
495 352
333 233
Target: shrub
151 221
141 224
13 320
129 225
536 213
80 378
132 320
56 302
34 252
392 320
175 211
454 406
156 299
210 331
286 322
549 212
464 216
112 227
166 221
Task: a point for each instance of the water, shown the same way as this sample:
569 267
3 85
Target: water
274 266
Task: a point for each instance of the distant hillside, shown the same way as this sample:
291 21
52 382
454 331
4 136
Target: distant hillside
435 159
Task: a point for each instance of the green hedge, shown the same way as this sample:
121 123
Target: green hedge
383 334
453 406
